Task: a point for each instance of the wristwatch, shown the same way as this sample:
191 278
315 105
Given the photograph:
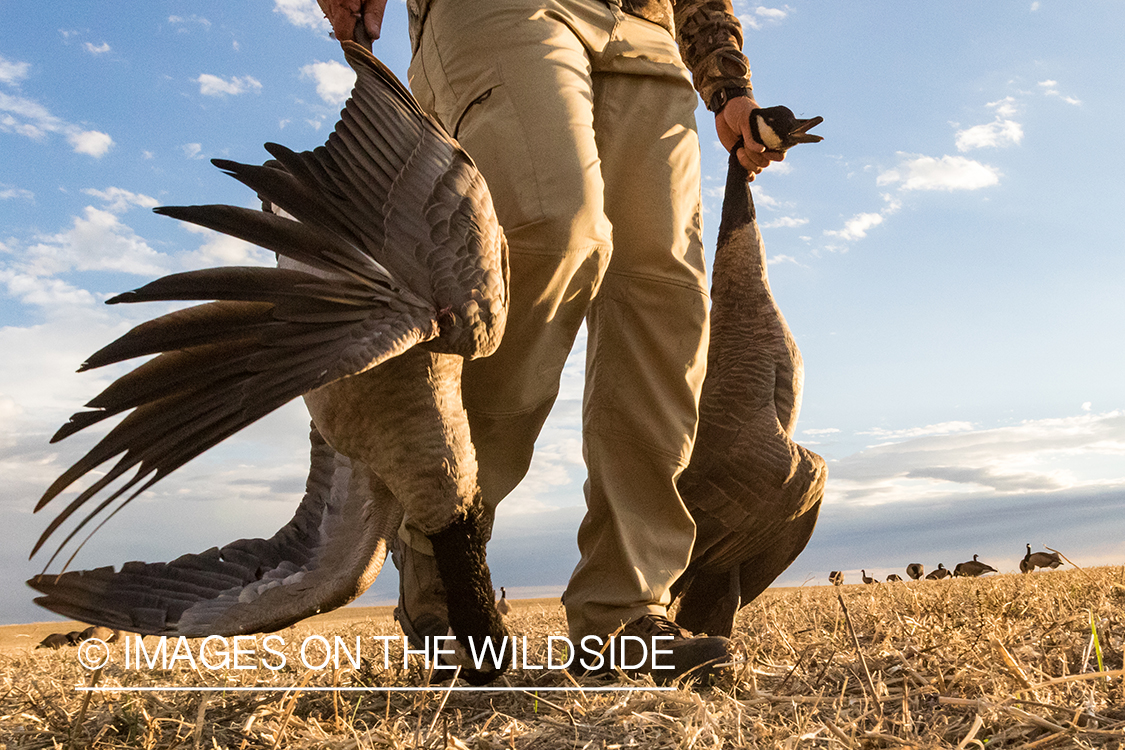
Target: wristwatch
720 98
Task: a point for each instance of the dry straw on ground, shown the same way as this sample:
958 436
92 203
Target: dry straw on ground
1008 661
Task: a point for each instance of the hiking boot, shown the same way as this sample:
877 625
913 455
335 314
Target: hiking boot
654 645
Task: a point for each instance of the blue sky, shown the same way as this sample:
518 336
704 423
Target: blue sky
950 260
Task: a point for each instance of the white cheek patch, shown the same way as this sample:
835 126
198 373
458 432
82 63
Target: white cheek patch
769 138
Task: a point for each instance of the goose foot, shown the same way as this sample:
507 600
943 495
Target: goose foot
460 554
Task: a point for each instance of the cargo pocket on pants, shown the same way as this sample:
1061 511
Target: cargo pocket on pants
488 126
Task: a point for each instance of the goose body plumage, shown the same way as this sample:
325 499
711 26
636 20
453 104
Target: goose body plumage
972 568
754 493
394 270
1033 560
503 606
938 573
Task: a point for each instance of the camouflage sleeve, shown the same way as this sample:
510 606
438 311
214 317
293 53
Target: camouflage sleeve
710 39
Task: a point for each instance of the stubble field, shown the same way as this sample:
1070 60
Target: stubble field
1007 661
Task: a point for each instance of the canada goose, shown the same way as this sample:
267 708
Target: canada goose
753 492
778 129
972 568
867 578
937 574
836 578
395 270
915 570
893 577
1031 560
101 633
55 641
503 606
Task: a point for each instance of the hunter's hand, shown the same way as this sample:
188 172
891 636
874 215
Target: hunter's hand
733 121
351 16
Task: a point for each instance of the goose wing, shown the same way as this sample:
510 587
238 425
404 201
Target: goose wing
325 556
396 244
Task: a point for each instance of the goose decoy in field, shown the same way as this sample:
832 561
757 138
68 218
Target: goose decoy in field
867 578
100 632
972 568
894 578
503 606
915 571
753 492
836 578
56 641
938 573
1033 560
394 271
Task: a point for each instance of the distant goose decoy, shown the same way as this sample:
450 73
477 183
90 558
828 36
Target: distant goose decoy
754 493
972 568
893 578
101 633
836 578
503 606
867 578
1033 560
937 574
394 271
915 571
56 641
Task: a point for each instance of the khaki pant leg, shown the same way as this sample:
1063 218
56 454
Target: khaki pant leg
546 97
493 71
646 355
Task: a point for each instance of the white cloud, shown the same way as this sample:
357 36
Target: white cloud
211 85
998 133
942 428
29 118
91 142
821 431
1051 88
761 14
856 227
557 464
784 221
302 13
12 72
1005 107
98 241
947 173
100 49
182 20
7 193
219 249
118 200
761 197
192 150
951 458
334 81
43 292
